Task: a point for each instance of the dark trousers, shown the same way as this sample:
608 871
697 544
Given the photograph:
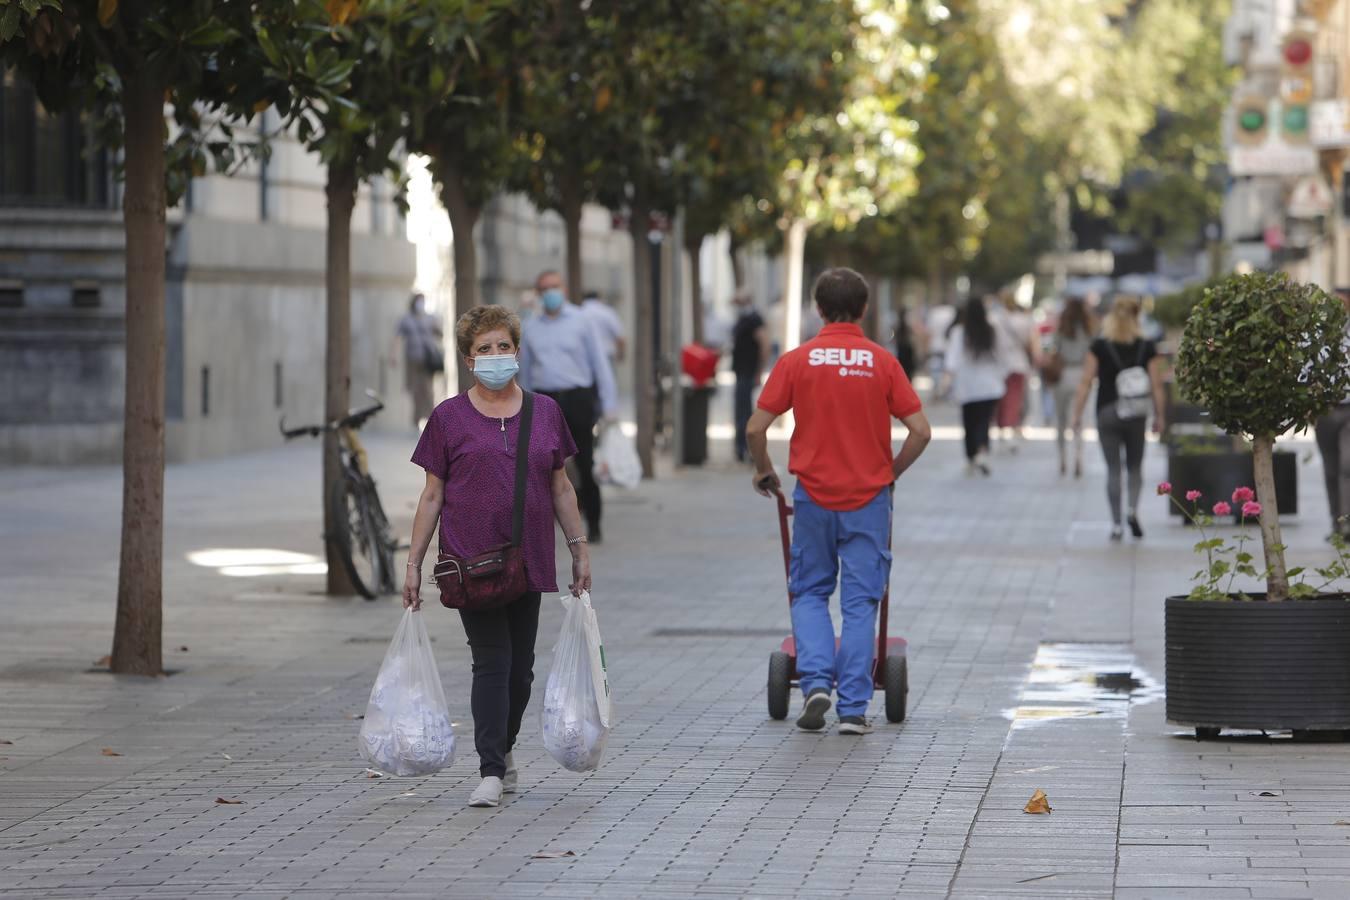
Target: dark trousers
502 641
579 409
1333 439
745 407
975 418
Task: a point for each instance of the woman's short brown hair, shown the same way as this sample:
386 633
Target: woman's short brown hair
482 319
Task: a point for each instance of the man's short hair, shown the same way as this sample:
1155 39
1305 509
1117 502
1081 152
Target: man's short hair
841 295
544 274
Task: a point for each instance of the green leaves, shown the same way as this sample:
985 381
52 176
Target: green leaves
1264 354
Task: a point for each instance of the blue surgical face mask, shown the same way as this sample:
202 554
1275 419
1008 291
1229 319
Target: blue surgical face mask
495 372
552 299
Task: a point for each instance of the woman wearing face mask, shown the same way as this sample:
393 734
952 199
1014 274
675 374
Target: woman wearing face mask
468 450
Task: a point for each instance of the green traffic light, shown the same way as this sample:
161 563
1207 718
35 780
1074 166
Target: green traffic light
1252 120
1296 119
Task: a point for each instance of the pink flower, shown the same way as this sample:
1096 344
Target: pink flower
1243 495
1193 496
1251 509
1222 509
1164 488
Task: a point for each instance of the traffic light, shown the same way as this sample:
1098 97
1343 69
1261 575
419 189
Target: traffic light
1252 120
1296 85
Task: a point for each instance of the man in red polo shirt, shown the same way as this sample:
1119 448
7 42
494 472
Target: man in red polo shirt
844 390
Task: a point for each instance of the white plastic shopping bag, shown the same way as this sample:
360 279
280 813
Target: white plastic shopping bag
407 726
576 715
616 459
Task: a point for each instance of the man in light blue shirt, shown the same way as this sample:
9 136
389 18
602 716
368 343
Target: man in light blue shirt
562 356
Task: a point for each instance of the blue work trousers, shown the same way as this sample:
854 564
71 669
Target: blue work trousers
826 544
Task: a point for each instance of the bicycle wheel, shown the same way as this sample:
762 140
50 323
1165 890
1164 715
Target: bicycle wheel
351 537
385 542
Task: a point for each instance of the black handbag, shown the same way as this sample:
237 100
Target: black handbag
497 577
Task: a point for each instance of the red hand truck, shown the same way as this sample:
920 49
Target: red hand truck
890 668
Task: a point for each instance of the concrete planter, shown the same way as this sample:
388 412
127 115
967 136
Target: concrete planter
1253 664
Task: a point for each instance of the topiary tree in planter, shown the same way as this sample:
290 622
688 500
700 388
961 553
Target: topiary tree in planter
1264 355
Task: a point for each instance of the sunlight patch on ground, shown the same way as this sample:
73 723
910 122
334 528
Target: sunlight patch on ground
255 562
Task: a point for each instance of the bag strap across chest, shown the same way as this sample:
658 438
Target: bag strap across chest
522 468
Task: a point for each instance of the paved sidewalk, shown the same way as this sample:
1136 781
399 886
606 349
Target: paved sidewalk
700 794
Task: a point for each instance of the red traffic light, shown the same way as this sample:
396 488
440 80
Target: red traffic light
1298 52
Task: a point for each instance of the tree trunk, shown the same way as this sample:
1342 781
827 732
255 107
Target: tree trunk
571 213
341 191
463 218
137 635
1263 461
644 334
872 316
737 262
794 255
694 243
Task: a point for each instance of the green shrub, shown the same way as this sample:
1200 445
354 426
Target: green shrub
1265 355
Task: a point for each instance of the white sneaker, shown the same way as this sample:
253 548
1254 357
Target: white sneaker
512 777
488 793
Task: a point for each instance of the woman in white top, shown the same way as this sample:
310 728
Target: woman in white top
976 365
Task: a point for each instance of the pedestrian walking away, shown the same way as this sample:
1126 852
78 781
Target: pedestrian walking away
749 354
843 390
1333 441
561 357
1020 357
423 357
469 450
976 370
1062 369
1128 374
607 324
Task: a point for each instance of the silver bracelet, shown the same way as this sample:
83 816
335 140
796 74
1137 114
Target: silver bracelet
579 539
417 566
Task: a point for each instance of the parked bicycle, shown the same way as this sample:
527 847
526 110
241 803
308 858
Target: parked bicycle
361 536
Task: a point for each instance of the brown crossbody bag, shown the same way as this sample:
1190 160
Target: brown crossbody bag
497 577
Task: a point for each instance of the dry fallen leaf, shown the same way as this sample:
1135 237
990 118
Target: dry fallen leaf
6 742
227 756
408 794
1267 793
355 716
371 773
108 751
1038 804
224 802
104 661
1340 822
553 854
183 649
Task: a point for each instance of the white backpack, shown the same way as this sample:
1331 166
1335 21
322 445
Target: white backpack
1133 386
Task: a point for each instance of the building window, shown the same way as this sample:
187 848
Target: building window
11 294
47 159
276 385
85 295
206 391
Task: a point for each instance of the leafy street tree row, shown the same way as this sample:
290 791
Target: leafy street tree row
912 138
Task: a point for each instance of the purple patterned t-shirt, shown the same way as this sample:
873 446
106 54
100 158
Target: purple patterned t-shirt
475 455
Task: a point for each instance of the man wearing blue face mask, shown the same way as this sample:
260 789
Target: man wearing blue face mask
562 356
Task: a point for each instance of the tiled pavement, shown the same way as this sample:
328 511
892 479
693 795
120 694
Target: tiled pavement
701 795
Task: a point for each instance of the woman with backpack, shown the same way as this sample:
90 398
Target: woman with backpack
1062 371
1128 372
